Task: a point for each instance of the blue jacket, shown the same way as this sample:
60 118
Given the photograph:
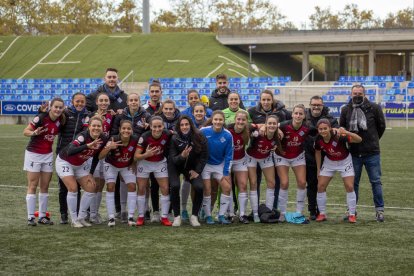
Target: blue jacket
189 112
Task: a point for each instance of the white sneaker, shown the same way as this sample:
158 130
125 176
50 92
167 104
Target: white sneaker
84 222
111 222
177 221
194 221
76 224
156 217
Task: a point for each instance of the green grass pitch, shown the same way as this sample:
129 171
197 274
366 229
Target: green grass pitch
334 247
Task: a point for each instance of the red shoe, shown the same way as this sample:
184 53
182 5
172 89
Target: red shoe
321 217
166 222
352 219
36 214
140 221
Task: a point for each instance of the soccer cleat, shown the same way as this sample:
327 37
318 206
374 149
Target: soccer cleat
124 217
346 215
321 217
380 216
352 219
155 216
84 222
177 221
194 221
165 222
31 222
45 221
111 222
256 218
244 220
210 220
184 215
147 215
76 224
140 221
64 219
313 215
223 220
131 221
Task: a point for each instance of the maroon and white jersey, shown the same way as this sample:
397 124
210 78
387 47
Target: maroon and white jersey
107 121
122 156
43 143
336 149
77 152
160 144
293 140
260 147
238 142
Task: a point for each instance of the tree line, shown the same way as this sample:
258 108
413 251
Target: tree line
105 16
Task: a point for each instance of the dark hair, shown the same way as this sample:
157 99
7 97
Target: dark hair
327 122
221 76
76 94
196 136
234 92
191 91
200 104
209 122
155 83
358 86
154 118
125 122
301 106
316 97
167 101
100 94
62 116
276 134
110 69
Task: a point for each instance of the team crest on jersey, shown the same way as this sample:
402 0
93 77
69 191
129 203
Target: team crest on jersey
222 139
131 148
85 120
81 139
163 142
140 140
108 120
334 143
301 133
139 123
119 100
36 119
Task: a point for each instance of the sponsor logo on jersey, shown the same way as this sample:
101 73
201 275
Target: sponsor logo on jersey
119 100
140 140
222 139
334 143
301 133
163 142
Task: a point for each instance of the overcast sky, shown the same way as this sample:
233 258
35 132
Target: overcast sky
298 11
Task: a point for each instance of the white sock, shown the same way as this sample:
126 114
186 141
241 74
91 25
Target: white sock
242 203
43 200
85 203
72 200
132 204
207 205
110 204
98 200
31 205
254 202
270 198
141 203
165 205
224 204
321 200
93 207
351 201
300 200
123 194
282 202
185 193
231 205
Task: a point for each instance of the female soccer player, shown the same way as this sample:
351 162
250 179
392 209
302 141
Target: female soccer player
259 154
169 113
292 154
199 113
74 165
240 132
234 106
187 156
337 159
151 150
193 97
119 157
38 159
220 150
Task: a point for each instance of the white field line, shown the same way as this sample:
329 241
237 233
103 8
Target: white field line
71 50
241 67
119 36
218 67
63 62
14 40
237 72
130 73
239 58
43 58
178 60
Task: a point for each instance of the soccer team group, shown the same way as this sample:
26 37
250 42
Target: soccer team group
212 151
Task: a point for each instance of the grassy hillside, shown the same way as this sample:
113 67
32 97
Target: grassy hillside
160 55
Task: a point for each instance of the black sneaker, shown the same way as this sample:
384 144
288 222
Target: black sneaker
45 221
313 215
380 216
244 220
64 219
31 222
147 215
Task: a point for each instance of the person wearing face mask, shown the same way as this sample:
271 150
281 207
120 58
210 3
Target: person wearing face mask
218 98
313 114
366 119
117 97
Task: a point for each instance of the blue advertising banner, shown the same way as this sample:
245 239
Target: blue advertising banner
335 108
398 110
20 107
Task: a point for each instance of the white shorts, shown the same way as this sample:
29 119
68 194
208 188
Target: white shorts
239 165
111 173
215 171
144 168
345 167
263 163
99 170
64 168
37 162
294 162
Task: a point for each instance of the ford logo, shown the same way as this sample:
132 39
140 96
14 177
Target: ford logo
9 107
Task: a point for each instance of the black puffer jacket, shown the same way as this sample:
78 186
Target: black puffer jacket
136 119
118 98
375 128
311 122
75 123
259 116
218 101
169 124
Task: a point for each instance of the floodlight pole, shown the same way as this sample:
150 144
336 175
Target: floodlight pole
146 28
251 47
